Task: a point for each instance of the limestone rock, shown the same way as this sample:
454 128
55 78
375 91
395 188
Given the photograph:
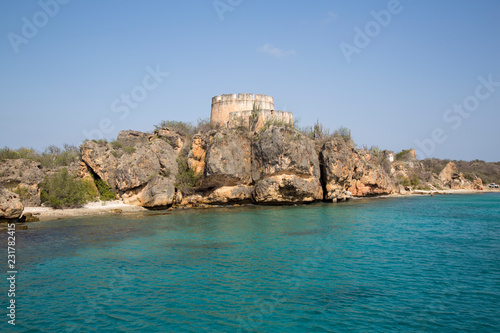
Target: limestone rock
228 159
11 207
23 177
175 138
197 154
146 176
349 171
452 178
285 167
286 189
131 138
29 217
159 192
449 173
99 157
230 194
282 150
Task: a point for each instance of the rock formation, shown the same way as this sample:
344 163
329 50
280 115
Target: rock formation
275 165
452 178
11 207
228 159
143 172
285 167
348 172
23 177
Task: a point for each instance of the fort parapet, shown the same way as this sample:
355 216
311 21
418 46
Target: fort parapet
235 110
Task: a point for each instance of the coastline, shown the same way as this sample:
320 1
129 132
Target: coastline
118 207
90 209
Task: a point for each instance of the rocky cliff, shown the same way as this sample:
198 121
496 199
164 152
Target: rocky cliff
275 165
11 207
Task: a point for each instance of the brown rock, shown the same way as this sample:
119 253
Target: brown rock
230 195
286 189
22 177
29 217
131 138
11 207
228 159
99 157
197 154
285 167
347 171
172 137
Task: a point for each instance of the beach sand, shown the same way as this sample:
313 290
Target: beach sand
93 208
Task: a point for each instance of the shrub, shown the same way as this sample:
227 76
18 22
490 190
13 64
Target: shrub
116 145
183 128
403 155
344 133
129 150
186 179
65 190
52 156
105 192
404 181
414 180
188 129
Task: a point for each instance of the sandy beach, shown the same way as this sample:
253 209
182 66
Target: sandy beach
93 208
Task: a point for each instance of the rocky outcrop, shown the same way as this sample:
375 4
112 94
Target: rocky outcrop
228 159
285 167
287 189
23 177
453 179
172 137
146 176
143 172
337 166
348 172
230 194
131 138
101 160
11 207
197 154
449 173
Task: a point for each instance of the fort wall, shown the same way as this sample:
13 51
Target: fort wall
242 118
224 104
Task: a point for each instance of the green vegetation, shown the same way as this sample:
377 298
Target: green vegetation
254 117
186 179
52 156
65 190
187 129
414 180
404 181
403 155
322 134
129 150
105 192
489 172
116 144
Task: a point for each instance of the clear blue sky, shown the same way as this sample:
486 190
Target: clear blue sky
396 90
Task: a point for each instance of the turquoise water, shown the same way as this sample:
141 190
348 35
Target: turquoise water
424 264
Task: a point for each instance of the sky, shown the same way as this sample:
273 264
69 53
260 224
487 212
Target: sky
400 74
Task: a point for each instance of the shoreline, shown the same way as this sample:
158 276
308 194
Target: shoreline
118 207
90 209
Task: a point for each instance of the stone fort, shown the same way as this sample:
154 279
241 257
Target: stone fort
236 110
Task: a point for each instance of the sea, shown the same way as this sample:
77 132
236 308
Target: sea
410 264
